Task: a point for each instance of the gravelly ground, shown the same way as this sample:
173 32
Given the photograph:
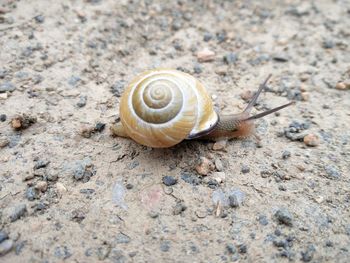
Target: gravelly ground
67 197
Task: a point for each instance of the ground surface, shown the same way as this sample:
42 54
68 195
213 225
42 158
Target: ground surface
67 197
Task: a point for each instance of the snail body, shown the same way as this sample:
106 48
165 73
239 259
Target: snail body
162 107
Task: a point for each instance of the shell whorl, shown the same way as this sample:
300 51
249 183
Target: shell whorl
160 108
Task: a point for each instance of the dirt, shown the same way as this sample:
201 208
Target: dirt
69 191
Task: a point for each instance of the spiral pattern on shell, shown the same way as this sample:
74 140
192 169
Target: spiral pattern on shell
160 108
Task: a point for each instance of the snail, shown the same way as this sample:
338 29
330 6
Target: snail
162 107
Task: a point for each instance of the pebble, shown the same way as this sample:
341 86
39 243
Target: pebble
7 87
117 88
3 117
84 170
61 188
218 164
18 212
328 43
219 177
280 58
153 214
263 220
230 58
82 101
3 236
122 238
4 142
205 55
284 217
165 246
207 36
41 164
245 169
74 80
6 246
190 178
204 166
3 73
286 154
39 19
242 248
31 194
21 122
231 248
342 85
332 172
308 254
3 96
219 145
99 127
118 195
41 186
311 140
169 180
197 68
236 198
179 208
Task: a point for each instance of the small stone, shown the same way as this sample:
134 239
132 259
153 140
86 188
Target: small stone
118 88
280 58
305 96
332 172
39 19
122 239
41 186
230 58
153 214
41 164
219 145
311 140
176 25
247 95
18 212
21 122
4 142
205 55
165 246
3 236
52 176
284 217
3 117
179 208
99 127
204 166
86 132
3 96
263 220
231 248
328 44
7 87
197 68
236 198
245 169
207 36
219 177
74 80
61 188
286 154
342 85
242 248
169 180
82 101
31 194
308 254
6 246
218 164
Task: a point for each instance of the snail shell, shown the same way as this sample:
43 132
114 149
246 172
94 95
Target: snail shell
162 107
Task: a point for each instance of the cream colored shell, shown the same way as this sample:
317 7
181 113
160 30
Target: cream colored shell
162 107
